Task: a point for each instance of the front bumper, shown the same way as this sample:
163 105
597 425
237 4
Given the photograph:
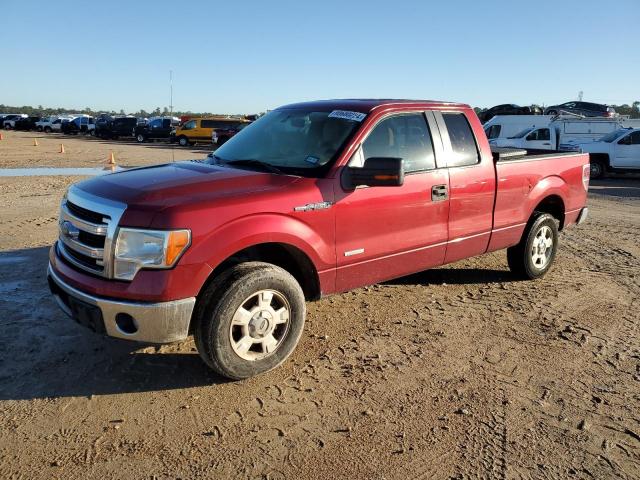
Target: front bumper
162 322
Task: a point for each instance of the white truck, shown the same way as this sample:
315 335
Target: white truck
561 134
52 123
618 151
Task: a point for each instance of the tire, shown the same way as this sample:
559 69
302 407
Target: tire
92 133
140 138
47 129
597 169
39 128
249 286
530 259
183 141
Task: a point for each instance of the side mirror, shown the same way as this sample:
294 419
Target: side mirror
376 172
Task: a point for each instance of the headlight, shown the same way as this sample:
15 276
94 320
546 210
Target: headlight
137 248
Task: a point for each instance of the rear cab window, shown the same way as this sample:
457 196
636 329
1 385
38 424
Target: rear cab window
464 149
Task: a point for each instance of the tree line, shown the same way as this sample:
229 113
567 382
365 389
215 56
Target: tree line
633 111
47 111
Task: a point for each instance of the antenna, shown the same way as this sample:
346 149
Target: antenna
580 94
173 156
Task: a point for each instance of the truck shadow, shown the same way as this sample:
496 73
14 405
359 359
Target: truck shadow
45 354
455 276
621 187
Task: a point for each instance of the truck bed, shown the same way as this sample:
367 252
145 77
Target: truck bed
506 154
524 178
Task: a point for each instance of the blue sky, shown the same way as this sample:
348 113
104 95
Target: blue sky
248 56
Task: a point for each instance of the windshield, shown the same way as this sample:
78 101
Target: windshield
522 133
610 137
295 141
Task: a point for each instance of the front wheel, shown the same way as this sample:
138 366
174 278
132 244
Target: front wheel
533 256
140 138
183 141
249 320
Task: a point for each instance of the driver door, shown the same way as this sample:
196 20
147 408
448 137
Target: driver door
387 232
628 151
540 139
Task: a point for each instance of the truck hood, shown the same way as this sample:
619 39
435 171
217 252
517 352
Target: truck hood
595 147
160 186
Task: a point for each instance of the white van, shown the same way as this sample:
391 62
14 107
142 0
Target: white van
565 134
504 126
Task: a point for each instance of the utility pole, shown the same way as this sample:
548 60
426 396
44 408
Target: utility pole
580 94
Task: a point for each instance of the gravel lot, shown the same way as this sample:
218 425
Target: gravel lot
458 372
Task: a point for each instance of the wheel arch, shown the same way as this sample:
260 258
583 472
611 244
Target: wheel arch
284 255
554 206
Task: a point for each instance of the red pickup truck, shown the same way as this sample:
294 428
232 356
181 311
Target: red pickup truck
312 199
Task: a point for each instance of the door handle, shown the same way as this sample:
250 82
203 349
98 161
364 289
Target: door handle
439 193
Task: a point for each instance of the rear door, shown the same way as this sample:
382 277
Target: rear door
387 232
471 186
627 151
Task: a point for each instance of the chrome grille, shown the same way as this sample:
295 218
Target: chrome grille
88 226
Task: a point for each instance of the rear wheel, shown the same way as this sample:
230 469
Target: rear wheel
533 256
597 169
47 129
249 320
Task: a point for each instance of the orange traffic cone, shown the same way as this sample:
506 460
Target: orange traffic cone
61 148
0 135
35 142
112 159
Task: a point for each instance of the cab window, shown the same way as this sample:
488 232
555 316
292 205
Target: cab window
157 123
190 125
493 131
463 143
540 134
404 136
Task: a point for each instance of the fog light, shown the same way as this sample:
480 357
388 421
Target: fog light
126 323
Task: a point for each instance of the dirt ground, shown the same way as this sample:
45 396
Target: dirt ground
458 372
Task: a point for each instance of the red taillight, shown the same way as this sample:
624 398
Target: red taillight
586 173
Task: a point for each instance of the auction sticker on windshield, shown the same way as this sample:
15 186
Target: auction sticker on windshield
347 115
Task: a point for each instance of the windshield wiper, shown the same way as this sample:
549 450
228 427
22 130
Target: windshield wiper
254 163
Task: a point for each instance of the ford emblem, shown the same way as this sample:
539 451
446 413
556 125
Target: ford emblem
69 229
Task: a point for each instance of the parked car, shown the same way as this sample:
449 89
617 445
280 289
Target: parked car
82 124
564 134
159 128
26 124
202 130
10 120
226 129
52 124
230 248
586 109
507 109
618 151
116 127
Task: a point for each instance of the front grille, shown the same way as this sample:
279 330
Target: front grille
77 259
87 227
84 214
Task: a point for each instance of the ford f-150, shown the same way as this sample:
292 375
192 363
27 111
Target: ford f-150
311 199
